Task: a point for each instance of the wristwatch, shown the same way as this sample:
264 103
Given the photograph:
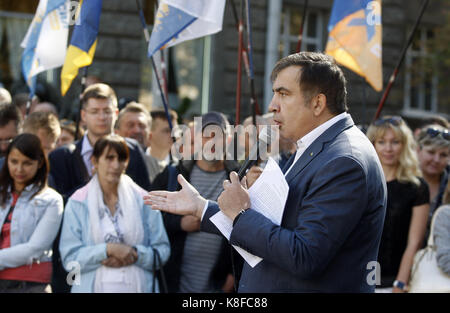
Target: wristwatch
238 216
400 285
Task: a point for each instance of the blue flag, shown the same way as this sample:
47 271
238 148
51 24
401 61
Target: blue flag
180 20
46 40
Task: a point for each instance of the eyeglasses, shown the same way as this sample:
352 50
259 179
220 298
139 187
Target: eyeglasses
433 132
100 112
393 120
6 141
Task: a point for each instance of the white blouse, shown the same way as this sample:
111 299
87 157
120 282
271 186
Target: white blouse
114 279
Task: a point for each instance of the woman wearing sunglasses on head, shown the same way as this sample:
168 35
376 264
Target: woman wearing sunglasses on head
434 156
407 203
30 214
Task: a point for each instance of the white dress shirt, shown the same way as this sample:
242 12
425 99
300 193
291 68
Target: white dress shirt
86 153
304 142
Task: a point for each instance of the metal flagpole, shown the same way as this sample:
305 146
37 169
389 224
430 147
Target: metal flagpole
300 36
84 71
247 58
250 72
239 69
147 39
400 61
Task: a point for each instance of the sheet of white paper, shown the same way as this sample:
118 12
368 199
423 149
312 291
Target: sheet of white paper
225 226
269 192
268 196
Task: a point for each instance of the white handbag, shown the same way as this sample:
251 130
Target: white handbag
426 276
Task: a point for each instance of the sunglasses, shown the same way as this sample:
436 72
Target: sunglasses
433 132
394 120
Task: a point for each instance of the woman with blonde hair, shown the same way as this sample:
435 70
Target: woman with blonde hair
407 203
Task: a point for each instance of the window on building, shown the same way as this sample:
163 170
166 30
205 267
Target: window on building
313 30
13 27
421 80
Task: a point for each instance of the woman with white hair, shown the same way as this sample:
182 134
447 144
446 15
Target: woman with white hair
433 152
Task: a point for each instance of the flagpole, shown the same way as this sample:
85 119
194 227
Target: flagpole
155 70
162 62
300 36
239 69
248 62
364 103
250 74
84 71
400 61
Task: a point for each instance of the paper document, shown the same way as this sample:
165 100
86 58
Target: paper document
268 196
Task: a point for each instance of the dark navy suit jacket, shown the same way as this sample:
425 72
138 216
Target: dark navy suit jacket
332 222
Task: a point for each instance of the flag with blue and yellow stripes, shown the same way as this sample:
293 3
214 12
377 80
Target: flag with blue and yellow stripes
83 43
355 38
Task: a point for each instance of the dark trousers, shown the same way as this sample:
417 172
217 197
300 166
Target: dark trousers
20 286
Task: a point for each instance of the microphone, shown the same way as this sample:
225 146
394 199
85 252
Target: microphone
264 139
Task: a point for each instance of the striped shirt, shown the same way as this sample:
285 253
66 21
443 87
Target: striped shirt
201 250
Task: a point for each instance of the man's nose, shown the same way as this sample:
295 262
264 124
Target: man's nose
273 106
136 129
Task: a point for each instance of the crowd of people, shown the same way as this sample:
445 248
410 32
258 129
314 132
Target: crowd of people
80 195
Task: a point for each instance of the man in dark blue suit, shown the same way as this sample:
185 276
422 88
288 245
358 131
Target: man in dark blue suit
70 165
333 219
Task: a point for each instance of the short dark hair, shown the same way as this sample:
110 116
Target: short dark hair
30 146
99 91
8 113
319 73
161 114
112 141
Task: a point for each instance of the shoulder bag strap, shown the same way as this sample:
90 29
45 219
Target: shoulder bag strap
156 262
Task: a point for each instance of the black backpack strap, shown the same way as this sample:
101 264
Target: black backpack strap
172 182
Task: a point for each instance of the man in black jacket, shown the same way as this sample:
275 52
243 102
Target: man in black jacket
70 165
189 246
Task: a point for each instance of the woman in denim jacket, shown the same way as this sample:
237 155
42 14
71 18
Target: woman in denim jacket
109 236
30 215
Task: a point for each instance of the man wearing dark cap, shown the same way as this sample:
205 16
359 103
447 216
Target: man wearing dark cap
199 262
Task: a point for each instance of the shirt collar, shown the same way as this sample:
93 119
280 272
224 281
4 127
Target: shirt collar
309 138
86 147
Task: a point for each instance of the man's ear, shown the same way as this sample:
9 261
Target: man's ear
83 115
319 104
